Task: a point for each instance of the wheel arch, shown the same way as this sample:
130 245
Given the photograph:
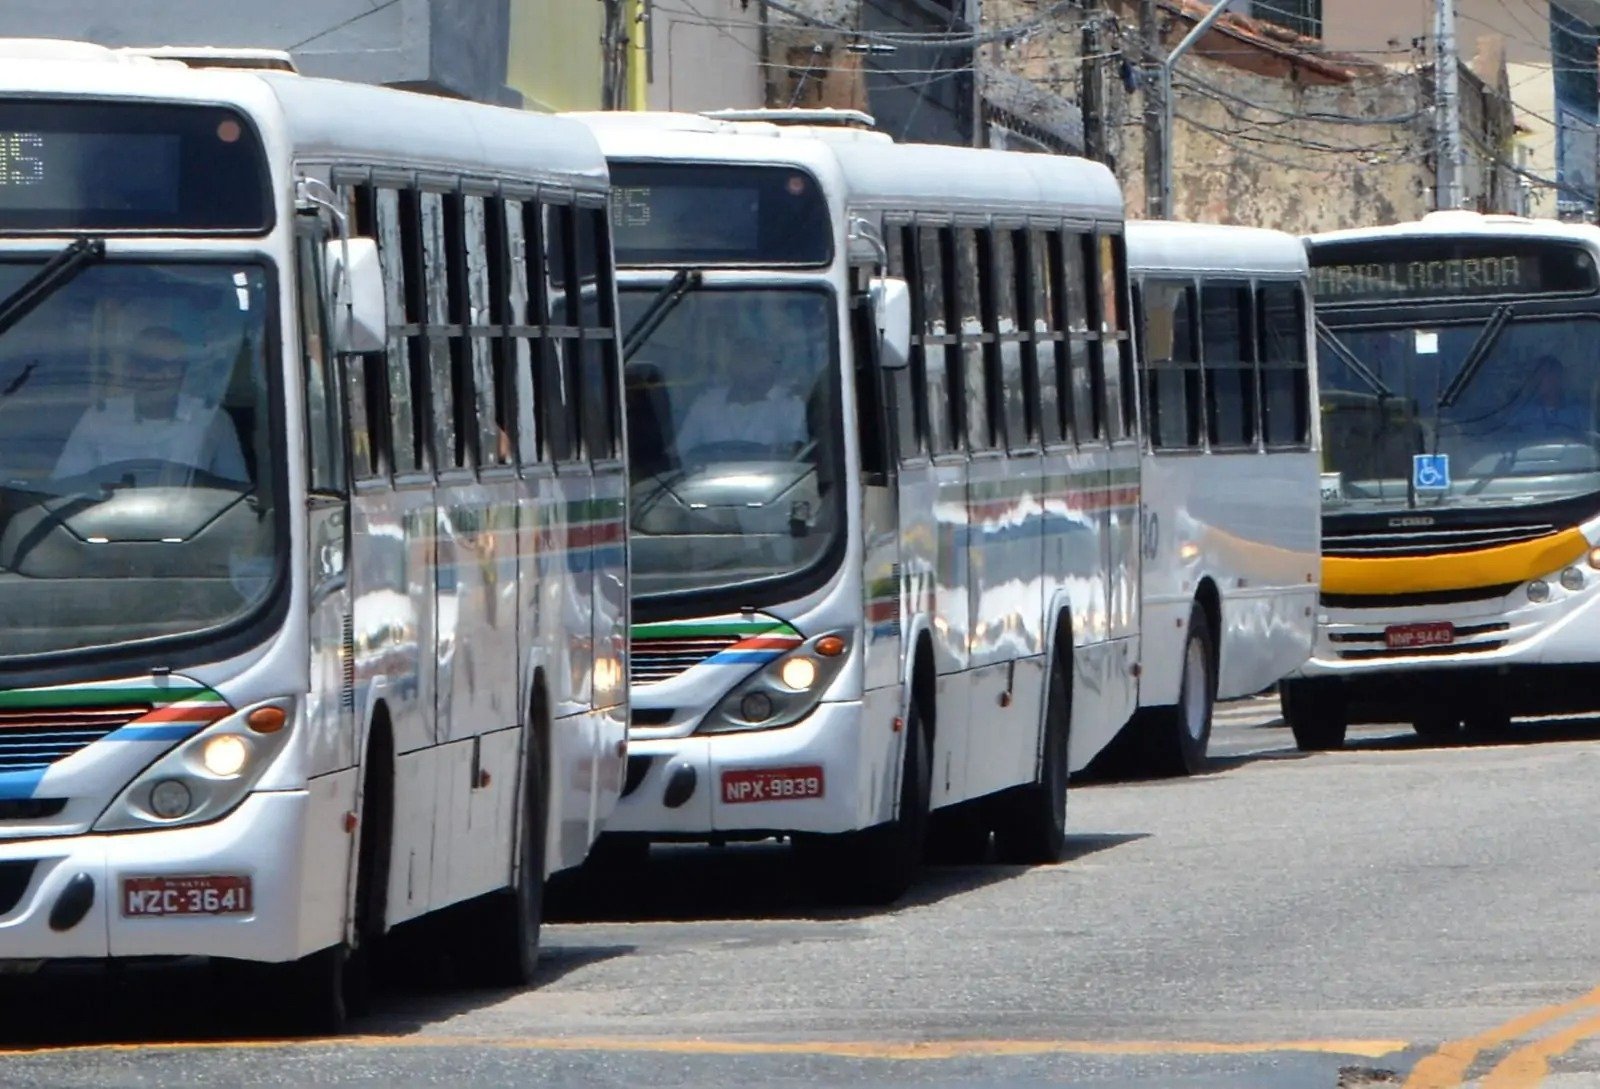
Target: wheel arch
367 902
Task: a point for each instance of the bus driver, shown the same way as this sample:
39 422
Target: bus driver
156 421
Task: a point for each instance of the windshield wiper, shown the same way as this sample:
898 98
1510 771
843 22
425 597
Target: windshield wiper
1476 357
56 274
1353 361
666 300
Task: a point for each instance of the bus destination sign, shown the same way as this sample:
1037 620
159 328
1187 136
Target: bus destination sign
1441 270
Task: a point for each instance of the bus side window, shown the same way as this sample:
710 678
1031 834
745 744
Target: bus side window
525 251
560 390
363 375
1087 385
442 334
491 445
1285 377
397 231
325 442
1172 366
1225 341
975 335
598 350
1046 355
933 341
1115 345
1017 393
907 384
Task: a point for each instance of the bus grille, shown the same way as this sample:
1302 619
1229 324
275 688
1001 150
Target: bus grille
38 737
1349 644
14 880
1429 542
652 661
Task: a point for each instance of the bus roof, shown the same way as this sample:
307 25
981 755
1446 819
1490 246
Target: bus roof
324 120
877 173
1448 224
1165 246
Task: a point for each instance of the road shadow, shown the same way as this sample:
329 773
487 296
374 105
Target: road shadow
759 881
186 1002
1523 732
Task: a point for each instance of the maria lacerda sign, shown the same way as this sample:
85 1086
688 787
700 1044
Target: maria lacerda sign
1443 269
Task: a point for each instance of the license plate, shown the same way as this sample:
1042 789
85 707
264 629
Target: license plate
144 897
1411 636
771 784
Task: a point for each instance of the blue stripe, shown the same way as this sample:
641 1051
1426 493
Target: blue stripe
19 785
743 657
174 732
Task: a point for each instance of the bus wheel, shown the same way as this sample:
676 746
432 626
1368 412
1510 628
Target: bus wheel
877 865
1438 727
1316 713
502 942
1031 821
1174 739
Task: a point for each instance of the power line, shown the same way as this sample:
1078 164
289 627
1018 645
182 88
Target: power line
356 18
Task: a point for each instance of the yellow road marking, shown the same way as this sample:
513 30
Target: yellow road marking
1447 1067
874 1050
1526 1067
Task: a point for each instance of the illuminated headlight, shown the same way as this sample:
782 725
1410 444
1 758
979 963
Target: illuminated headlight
1538 591
799 674
225 756
1594 558
1572 579
205 776
783 691
170 799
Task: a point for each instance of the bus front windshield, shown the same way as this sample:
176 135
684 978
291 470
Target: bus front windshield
732 422
138 499
1504 405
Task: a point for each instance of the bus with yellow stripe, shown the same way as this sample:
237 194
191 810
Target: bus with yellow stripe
1460 411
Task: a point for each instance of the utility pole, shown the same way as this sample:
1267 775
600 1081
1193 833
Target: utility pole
613 55
1446 78
1091 100
1218 7
1154 135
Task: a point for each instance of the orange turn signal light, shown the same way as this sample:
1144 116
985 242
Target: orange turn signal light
267 720
830 646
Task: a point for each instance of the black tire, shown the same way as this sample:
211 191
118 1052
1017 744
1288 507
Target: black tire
307 997
1489 722
501 939
1316 713
876 866
1438 727
1173 740
1031 822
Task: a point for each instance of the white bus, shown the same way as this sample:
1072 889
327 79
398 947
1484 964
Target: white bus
313 599
1461 489
885 478
1230 474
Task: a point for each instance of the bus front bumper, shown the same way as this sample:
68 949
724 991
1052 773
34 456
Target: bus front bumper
260 840
802 778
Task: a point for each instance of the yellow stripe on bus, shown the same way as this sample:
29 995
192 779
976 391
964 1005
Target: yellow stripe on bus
1461 571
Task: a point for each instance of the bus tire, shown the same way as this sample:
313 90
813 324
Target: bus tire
876 866
1173 740
1031 821
1316 713
503 941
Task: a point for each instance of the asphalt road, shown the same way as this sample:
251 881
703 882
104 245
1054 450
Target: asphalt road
1389 915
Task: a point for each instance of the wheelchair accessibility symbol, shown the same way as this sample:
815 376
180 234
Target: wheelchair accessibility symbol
1430 472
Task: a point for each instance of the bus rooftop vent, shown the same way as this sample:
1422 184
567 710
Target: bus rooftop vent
205 56
820 118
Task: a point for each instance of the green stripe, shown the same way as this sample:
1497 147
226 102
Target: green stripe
106 696
696 629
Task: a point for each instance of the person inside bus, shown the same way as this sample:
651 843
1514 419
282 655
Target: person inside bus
157 421
1547 411
753 405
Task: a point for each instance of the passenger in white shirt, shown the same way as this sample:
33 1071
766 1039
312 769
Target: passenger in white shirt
156 422
753 405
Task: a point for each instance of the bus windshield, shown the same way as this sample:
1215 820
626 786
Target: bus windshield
732 424
138 498
1506 404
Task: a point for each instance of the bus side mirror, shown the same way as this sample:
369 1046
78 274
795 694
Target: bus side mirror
360 316
891 308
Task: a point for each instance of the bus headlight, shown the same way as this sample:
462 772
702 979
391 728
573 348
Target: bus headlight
204 777
783 691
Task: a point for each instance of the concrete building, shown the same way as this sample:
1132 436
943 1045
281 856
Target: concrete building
1549 50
